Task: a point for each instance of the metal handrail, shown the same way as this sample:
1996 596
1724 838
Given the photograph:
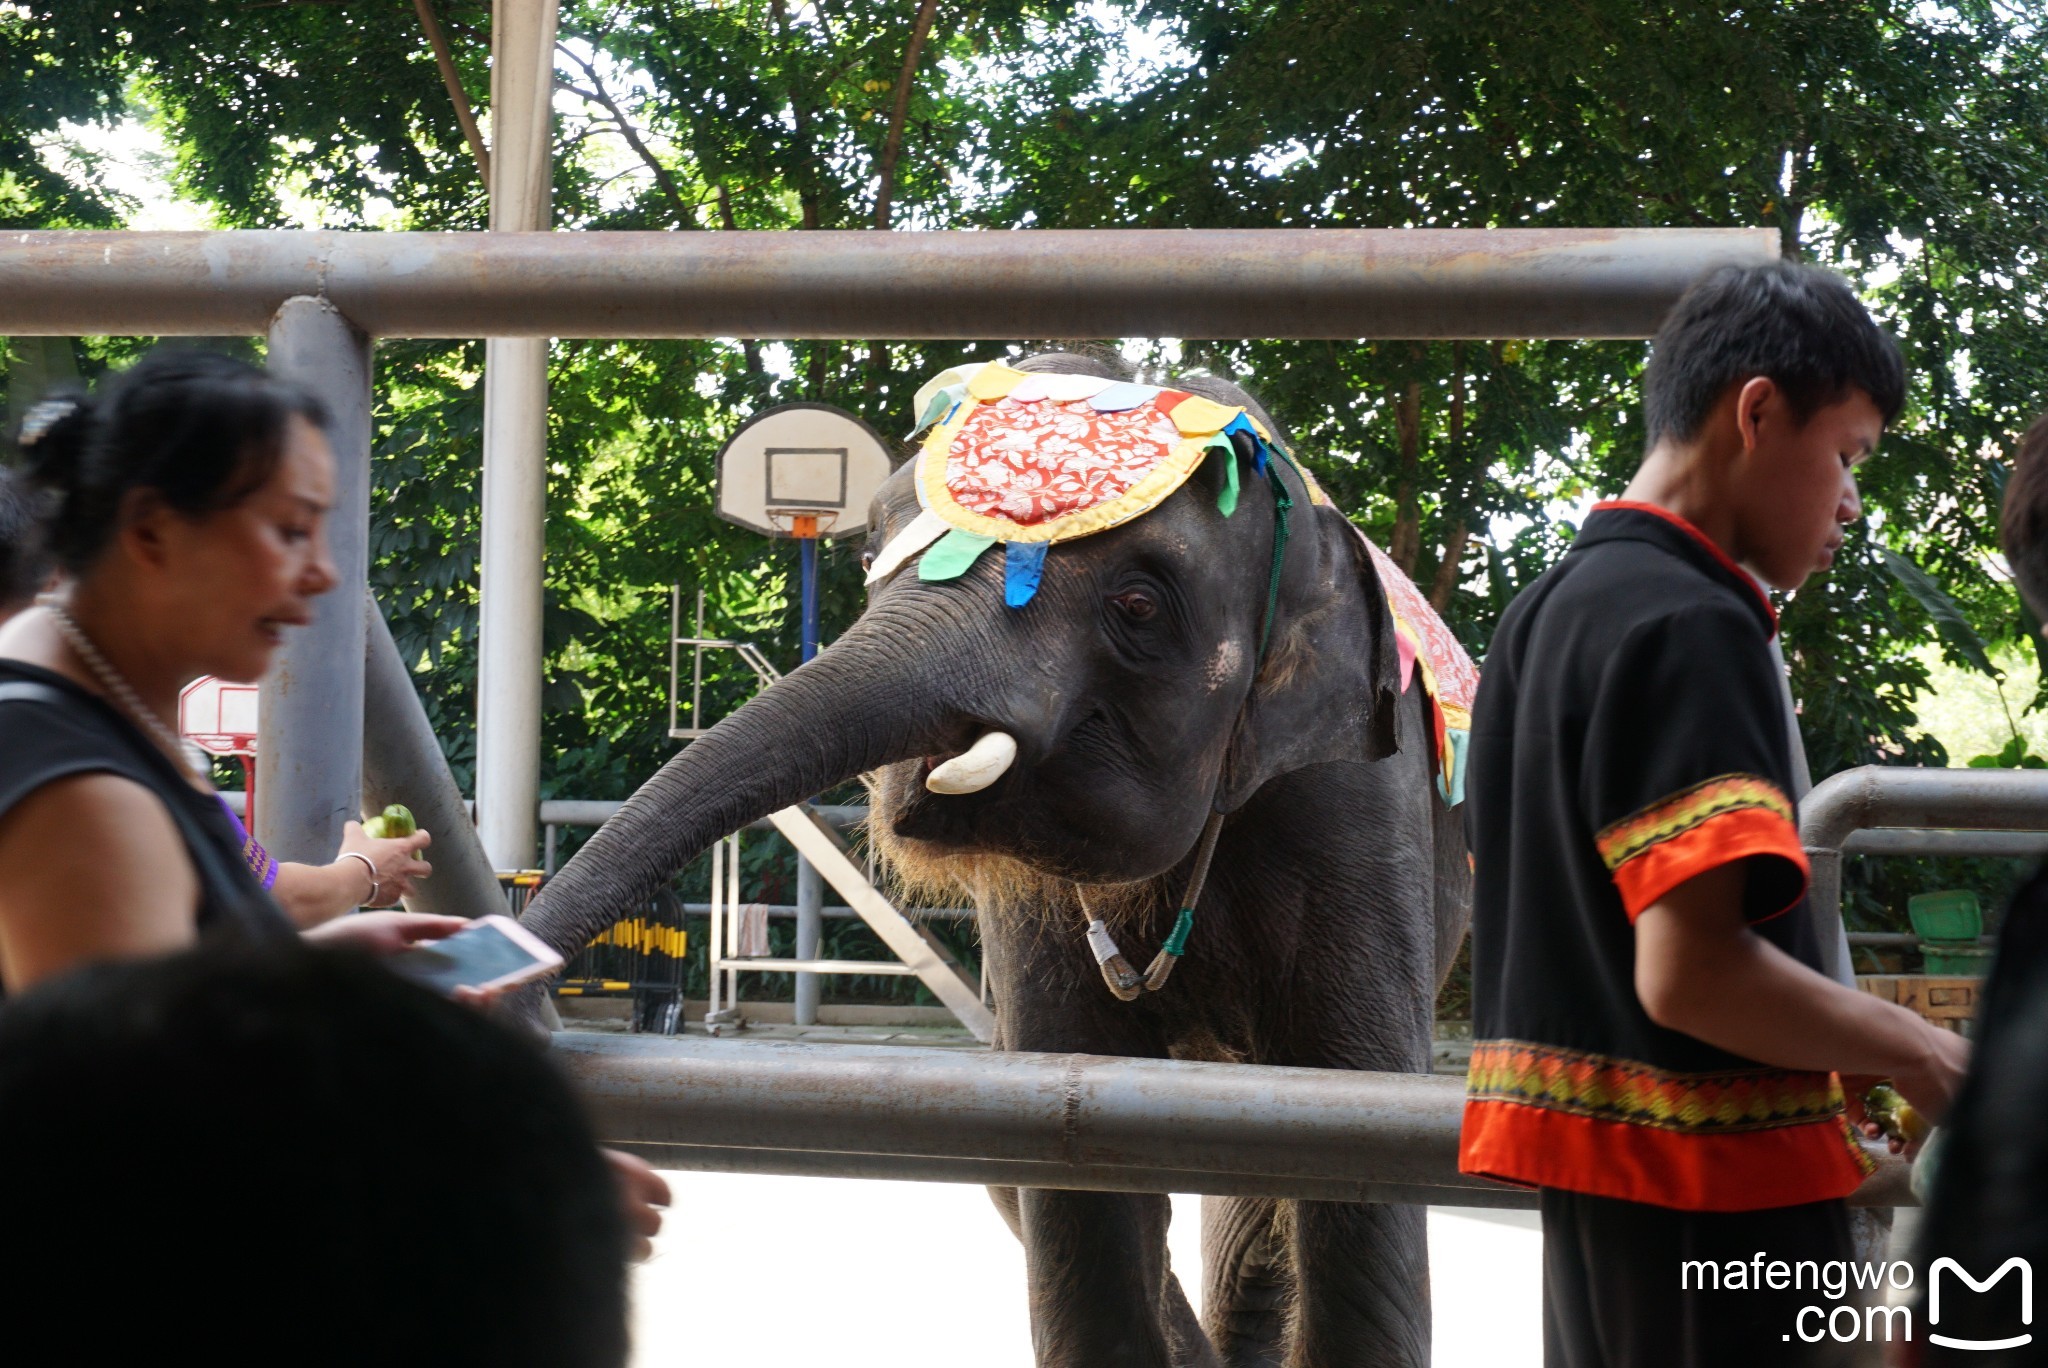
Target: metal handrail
1044 1120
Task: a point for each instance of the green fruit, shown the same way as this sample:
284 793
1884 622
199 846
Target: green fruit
398 821
374 828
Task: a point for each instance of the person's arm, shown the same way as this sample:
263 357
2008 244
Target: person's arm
1699 969
313 894
91 868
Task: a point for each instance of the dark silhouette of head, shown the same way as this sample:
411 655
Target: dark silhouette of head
292 1156
2023 523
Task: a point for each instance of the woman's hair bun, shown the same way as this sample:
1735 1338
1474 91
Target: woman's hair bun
52 440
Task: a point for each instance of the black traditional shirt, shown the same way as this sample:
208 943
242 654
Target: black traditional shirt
1629 734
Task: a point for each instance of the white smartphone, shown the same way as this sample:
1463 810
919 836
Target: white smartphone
493 952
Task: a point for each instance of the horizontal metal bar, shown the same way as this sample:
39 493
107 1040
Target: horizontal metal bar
595 812
1135 1124
766 965
783 911
1903 796
1884 940
1276 282
1908 841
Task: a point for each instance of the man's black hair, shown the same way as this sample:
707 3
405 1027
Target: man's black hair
294 1157
1798 326
24 565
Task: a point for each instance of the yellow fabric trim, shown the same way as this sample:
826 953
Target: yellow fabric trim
1199 417
993 381
1624 840
1455 717
1170 474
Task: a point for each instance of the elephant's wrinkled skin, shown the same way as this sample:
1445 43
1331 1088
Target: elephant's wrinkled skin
1339 888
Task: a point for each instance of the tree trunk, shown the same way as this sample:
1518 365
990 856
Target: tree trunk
1406 543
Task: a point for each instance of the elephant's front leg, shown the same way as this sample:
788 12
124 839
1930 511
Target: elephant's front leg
1100 1291
1361 1286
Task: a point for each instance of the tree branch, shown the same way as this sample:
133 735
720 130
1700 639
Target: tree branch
892 146
1406 543
599 96
464 114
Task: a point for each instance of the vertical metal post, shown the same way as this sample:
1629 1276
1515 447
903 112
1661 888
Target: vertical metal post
810 889
810 926
310 707
515 451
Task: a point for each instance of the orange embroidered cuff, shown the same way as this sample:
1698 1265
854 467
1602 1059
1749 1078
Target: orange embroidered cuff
1727 818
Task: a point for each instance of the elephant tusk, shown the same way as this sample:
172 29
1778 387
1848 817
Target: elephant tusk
974 769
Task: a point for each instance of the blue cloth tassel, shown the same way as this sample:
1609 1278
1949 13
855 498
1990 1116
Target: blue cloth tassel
1023 565
1244 425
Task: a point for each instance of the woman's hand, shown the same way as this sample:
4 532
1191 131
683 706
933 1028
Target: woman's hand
642 1195
396 860
383 933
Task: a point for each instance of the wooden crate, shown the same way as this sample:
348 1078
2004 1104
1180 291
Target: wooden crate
1947 1002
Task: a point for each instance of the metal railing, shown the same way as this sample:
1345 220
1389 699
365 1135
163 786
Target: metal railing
1041 1120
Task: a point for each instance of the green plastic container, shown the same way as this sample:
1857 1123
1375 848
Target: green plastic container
1956 961
1952 918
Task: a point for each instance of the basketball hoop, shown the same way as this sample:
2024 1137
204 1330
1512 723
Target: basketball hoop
802 471
220 719
803 523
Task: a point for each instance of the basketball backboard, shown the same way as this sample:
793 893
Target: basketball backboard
218 717
802 461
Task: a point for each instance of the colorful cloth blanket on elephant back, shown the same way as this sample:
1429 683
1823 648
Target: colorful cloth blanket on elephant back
1430 650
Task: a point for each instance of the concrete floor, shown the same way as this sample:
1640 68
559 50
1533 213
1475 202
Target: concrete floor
774 1272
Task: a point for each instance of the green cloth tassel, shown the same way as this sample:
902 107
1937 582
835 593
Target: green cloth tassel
953 555
1177 943
1226 498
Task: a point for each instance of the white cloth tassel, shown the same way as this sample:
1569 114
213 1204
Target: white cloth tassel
924 529
1099 942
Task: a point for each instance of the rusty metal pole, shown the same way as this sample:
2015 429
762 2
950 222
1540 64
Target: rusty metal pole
1274 282
310 710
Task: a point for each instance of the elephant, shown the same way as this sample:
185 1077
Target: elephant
1139 699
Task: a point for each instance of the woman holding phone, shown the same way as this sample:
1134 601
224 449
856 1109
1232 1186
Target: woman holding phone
188 506
187 509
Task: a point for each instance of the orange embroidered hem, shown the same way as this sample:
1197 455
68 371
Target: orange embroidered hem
1813 1161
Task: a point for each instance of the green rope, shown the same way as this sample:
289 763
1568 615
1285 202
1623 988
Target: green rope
1283 504
1177 943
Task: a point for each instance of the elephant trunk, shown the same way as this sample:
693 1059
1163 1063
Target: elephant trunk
872 699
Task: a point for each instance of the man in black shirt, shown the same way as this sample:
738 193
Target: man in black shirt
1656 1048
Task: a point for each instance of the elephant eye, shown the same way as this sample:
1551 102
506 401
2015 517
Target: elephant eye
1135 604
867 559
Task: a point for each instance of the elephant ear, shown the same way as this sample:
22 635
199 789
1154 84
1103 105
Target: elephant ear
1330 686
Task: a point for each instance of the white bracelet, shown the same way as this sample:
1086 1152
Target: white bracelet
368 868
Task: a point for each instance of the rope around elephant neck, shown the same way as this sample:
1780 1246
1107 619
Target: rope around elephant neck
1125 982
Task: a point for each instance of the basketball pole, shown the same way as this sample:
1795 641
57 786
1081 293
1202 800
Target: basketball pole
810 889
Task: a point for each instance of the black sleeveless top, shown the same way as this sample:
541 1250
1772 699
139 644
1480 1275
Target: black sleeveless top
50 729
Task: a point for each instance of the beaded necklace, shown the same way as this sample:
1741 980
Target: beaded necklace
118 687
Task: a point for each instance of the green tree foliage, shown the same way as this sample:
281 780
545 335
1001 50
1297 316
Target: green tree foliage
1904 145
